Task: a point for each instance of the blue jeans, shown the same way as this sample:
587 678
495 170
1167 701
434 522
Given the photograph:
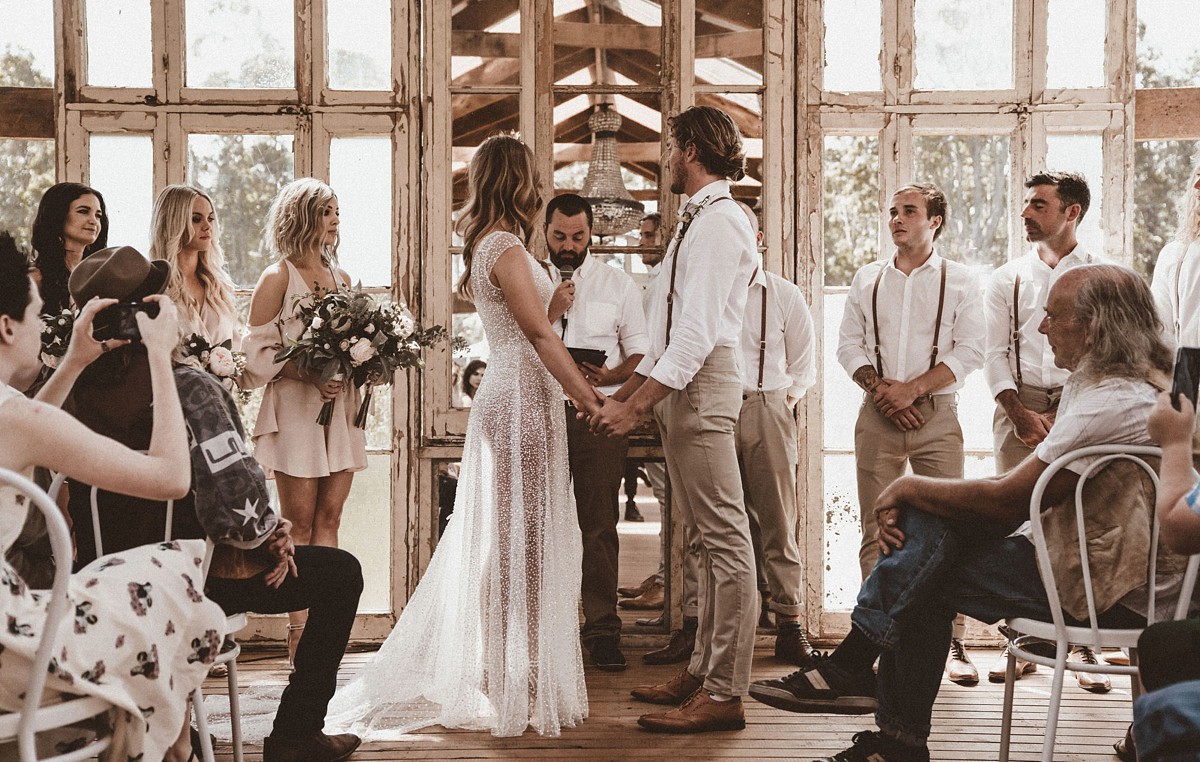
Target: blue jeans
907 604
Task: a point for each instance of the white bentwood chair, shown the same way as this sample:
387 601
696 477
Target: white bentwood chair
34 717
227 657
1064 637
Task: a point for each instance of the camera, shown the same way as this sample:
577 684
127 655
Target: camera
119 322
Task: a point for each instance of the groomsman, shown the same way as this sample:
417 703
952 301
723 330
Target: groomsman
912 330
595 307
778 367
1019 364
690 380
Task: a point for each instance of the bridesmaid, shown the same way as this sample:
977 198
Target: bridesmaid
313 465
184 232
71 223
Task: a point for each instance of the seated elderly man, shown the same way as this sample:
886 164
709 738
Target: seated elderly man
255 566
946 544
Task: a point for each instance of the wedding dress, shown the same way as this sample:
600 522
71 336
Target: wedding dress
490 637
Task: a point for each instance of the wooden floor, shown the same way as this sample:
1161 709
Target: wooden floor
966 722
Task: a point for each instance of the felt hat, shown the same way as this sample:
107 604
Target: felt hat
120 272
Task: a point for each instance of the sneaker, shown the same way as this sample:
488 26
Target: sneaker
870 746
606 654
996 673
1093 682
823 688
959 668
792 646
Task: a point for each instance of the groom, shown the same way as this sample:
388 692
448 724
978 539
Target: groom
691 383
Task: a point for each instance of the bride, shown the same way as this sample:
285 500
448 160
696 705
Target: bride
490 638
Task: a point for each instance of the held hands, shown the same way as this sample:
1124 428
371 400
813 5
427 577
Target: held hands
281 547
329 390
1169 426
1030 427
616 419
895 400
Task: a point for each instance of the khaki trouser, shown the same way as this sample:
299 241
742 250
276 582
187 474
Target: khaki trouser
597 467
881 452
697 424
1009 450
766 447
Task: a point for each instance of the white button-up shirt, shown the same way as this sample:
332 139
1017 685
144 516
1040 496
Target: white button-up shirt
790 358
908 306
1037 359
607 314
716 259
1176 287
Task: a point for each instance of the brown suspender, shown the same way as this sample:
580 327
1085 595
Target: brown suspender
675 261
762 337
937 326
1016 335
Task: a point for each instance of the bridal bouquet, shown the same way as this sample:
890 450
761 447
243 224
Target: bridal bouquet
56 335
221 360
349 336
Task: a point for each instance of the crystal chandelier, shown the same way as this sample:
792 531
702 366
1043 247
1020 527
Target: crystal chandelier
614 211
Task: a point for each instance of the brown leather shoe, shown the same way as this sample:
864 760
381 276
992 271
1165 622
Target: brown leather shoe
678 649
641 587
673 691
315 747
651 599
701 713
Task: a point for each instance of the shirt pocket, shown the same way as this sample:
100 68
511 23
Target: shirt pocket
600 322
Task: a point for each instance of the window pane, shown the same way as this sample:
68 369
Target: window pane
360 44
964 46
26 171
366 531
118 43
241 44
242 173
852 34
842 397
746 111
1163 175
1167 34
122 168
850 205
1083 154
973 172
729 43
485 43
1075 37
843 532
27 47
608 43
475 118
360 171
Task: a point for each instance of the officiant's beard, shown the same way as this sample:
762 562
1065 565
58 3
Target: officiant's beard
569 258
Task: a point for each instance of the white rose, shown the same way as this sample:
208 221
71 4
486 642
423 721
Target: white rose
361 352
404 324
316 323
220 362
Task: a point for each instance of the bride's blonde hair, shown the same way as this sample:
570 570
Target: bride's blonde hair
170 230
502 193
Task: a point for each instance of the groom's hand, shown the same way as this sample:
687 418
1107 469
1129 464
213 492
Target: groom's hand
616 419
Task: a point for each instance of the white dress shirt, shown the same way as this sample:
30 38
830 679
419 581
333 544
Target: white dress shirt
790 358
908 306
1176 287
607 314
1037 359
716 259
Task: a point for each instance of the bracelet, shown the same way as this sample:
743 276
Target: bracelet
1193 498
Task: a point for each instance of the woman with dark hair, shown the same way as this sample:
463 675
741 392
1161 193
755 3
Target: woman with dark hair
490 638
472 377
71 223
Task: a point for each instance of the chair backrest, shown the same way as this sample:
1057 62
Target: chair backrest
1104 456
57 610
95 501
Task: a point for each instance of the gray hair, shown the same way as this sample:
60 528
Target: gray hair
1123 328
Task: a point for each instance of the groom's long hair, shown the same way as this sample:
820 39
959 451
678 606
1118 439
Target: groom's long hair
502 193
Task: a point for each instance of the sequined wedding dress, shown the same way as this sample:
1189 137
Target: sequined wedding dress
490 637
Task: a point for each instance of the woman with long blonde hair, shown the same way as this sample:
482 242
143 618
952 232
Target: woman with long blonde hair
490 638
313 465
184 231
1176 281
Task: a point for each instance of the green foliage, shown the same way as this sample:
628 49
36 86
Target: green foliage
972 170
851 206
26 166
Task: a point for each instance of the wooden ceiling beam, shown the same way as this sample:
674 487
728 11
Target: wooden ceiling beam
481 14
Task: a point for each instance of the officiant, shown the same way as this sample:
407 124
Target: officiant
597 309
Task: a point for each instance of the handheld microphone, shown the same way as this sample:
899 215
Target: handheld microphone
566 272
